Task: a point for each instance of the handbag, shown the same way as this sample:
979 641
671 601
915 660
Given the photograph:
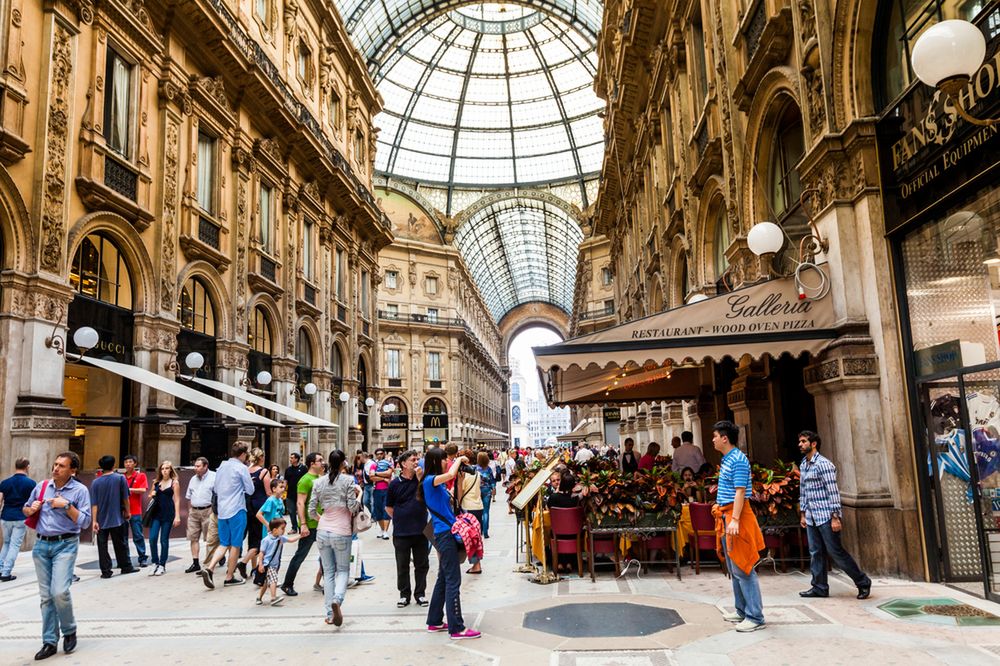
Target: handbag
149 513
362 520
32 520
462 555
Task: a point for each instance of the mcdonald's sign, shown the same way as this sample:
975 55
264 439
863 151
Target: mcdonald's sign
435 421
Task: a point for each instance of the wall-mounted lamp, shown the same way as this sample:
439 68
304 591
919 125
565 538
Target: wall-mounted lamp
345 396
389 407
306 391
946 57
369 402
193 361
85 338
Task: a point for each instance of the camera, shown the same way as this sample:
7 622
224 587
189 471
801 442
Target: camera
468 469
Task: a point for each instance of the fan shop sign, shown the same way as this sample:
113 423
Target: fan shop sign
926 148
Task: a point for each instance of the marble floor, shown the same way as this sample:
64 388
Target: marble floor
174 619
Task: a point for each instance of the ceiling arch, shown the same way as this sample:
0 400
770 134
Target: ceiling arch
376 25
521 251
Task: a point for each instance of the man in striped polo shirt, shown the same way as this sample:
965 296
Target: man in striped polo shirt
819 502
737 530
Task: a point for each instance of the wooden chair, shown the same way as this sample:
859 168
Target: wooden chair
567 536
703 536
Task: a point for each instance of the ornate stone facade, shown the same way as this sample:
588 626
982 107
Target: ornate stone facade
162 165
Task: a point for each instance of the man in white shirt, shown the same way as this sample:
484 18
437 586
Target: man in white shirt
232 485
583 455
687 454
199 520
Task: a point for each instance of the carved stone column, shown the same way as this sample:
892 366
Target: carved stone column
154 348
35 421
673 424
753 407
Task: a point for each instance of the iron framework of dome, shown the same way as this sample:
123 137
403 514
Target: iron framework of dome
483 94
518 251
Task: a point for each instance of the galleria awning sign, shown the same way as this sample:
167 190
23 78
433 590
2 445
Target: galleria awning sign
660 357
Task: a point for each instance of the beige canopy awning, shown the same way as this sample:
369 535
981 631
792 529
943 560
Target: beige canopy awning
577 434
178 390
261 401
660 357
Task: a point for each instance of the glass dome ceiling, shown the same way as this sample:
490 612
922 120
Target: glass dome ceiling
483 94
519 251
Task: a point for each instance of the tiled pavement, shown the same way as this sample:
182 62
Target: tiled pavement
174 619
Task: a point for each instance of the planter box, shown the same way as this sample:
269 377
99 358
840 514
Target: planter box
647 521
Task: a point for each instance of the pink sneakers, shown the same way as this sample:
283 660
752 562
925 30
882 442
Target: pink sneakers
467 634
434 628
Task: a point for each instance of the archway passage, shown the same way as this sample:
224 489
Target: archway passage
533 423
521 251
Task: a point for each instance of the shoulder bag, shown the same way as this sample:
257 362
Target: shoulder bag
150 512
362 521
32 520
462 555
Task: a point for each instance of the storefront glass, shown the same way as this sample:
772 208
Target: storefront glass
952 273
100 400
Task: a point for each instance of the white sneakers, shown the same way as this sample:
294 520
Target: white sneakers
732 617
746 626
158 570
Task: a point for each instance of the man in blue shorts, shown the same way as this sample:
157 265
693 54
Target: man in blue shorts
232 485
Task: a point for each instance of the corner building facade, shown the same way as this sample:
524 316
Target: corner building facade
442 354
183 176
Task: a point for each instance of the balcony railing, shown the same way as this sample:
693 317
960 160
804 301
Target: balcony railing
208 232
268 269
309 294
701 139
395 382
435 383
435 320
121 178
596 314
253 52
341 312
755 28
366 329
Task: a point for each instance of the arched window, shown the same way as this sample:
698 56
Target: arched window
99 271
195 310
435 406
303 350
721 242
515 392
783 174
515 415
259 335
336 364
900 23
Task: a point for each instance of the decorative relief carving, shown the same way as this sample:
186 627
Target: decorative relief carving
815 102
37 305
84 10
213 87
291 11
413 274
168 262
242 224
171 92
807 20
271 148
732 196
54 187
855 366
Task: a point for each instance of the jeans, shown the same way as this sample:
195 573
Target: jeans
487 500
159 531
379 498
119 541
135 522
335 554
446 589
824 541
405 547
54 563
746 590
291 507
366 497
13 537
301 552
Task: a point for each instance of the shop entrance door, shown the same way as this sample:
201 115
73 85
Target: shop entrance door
962 418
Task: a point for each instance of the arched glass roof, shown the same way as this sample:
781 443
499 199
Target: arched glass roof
483 94
521 250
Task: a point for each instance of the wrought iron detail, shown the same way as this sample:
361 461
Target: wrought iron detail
309 294
701 139
121 178
208 233
269 269
755 29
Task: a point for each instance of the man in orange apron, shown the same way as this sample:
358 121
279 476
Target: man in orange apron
736 530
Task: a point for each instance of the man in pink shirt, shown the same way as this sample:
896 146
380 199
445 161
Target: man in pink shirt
381 477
